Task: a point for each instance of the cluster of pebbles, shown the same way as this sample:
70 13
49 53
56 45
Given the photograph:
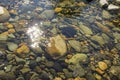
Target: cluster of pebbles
59 40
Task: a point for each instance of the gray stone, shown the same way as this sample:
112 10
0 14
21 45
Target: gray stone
48 14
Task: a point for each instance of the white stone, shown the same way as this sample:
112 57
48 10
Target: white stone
1 10
103 2
118 1
113 7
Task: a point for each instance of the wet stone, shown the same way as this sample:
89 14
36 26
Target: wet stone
69 32
78 71
118 46
12 46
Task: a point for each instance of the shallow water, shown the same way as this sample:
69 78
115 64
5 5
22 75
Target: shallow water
59 40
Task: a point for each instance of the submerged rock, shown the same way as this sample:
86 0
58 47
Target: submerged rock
106 14
12 46
57 47
98 39
79 57
85 29
113 7
75 44
4 14
69 32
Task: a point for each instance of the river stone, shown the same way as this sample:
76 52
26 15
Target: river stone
78 57
85 29
106 14
117 36
8 68
56 47
48 14
75 44
4 14
3 37
117 46
98 39
12 46
115 70
78 71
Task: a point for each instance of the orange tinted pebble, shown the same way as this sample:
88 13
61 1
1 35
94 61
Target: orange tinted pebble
99 71
11 31
10 26
5 33
102 65
23 49
58 9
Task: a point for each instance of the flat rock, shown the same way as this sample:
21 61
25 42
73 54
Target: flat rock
79 57
85 29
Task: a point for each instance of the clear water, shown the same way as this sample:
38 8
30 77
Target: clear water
36 24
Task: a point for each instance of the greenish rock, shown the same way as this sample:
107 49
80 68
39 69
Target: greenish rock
85 48
77 58
78 71
12 46
117 36
34 76
67 73
20 78
3 37
7 76
90 76
87 31
49 64
75 45
20 60
98 39
25 70
8 68
105 37
116 29
46 23
10 56
117 46
11 36
106 14
115 70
